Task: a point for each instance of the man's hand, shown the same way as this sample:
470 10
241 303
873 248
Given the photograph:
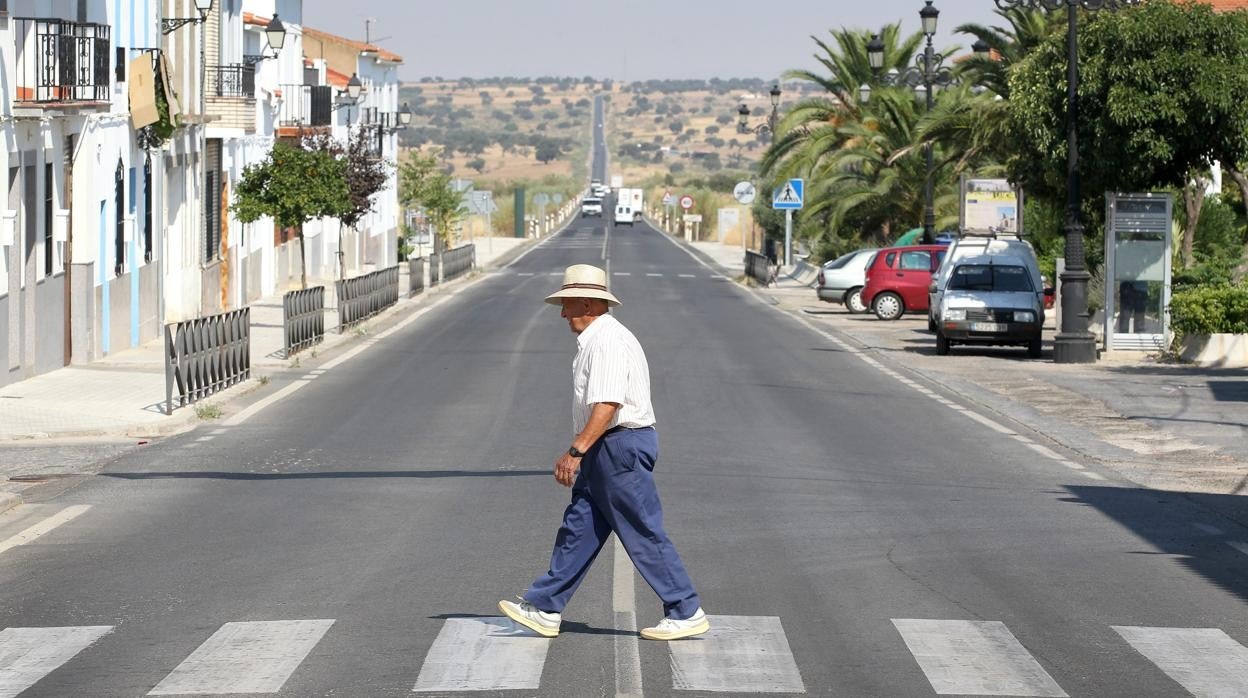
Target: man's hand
565 469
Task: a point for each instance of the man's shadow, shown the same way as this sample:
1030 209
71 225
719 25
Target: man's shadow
506 627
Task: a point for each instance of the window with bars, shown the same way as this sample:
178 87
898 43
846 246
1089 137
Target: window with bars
119 220
212 202
49 243
147 209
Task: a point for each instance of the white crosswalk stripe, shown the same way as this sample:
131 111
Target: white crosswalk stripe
1205 661
741 654
247 657
975 658
29 654
485 653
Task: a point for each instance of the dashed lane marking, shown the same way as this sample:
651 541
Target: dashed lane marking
1205 661
622 273
486 653
29 654
1045 451
653 274
688 276
623 605
1206 528
978 658
1238 545
49 524
248 657
525 273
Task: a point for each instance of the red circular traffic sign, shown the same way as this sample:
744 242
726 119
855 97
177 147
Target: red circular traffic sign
686 202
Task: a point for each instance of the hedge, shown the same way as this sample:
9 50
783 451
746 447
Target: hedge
1221 309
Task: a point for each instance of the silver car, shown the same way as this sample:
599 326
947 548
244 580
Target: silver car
841 280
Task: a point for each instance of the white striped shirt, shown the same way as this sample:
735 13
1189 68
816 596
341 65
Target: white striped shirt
610 366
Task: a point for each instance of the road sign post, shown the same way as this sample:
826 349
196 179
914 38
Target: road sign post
789 197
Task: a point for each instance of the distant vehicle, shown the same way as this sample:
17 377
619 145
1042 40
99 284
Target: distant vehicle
991 299
623 214
633 199
842 279
897 279
600 190
591 206
974 246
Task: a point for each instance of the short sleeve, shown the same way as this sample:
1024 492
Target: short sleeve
608 376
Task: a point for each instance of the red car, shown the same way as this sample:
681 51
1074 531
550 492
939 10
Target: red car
898 279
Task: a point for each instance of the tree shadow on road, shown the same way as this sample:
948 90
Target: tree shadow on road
1195 528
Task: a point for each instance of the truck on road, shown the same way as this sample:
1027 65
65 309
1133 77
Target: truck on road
629 205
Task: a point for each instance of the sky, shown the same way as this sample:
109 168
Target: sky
620 39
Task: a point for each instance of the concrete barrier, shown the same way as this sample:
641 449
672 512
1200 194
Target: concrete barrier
1215 350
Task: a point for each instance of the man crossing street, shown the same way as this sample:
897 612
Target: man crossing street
609 468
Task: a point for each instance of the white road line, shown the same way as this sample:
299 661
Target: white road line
525 273
688 276
202 439
622 273
988 422
1206 528
741 654
261 404
977 658
47 525
1238 545
485 653
1205 661
1071 464
1091 475
29 654
653 274
246 657
218 432
623 604
555 273
1045 451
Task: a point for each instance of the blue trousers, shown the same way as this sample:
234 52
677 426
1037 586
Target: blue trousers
615 491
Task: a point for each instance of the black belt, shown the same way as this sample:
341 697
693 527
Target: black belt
613 430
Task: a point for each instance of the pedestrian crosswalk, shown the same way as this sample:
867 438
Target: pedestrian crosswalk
741 655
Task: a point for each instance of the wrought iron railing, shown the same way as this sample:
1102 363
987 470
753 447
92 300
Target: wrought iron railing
206 355
306 105
415 275
60 61
435 269
231 80
458 261
303 318
365 296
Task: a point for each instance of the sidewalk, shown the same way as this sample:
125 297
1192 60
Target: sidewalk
122 394
1167 426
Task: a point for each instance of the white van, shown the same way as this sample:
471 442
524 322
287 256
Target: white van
1004 245
623 214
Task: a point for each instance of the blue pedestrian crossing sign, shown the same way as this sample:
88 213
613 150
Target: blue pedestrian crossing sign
789 195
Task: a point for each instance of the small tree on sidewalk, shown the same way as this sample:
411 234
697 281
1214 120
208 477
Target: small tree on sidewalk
423 184
293 185
366 173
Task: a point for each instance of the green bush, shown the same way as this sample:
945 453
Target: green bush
1210 310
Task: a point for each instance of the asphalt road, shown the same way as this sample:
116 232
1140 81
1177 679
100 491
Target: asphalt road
849 533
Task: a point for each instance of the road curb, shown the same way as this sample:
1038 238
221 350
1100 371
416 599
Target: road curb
8 501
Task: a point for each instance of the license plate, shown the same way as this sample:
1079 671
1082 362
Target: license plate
989 327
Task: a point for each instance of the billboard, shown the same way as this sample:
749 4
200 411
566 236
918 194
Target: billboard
990 206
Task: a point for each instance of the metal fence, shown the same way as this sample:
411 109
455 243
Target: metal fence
757 267
230 80
206 355
435 268
306 105
458 261
365 296
303 318
415 275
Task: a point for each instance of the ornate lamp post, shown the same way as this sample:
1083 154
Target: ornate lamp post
769 127
169 25
927 76
1074 344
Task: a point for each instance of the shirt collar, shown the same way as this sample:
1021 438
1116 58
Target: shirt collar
583 338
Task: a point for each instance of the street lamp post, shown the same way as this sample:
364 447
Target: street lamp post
1074 343
928 75
768 127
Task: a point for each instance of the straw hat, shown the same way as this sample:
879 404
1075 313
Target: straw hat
583 281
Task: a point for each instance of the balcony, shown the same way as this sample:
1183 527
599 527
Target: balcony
305 106
230 96
60 63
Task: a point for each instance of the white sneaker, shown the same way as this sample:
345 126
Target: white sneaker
526 614
672 629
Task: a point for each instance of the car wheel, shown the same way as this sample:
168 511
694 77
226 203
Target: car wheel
942 343
888 306
1035 347
931 324
853 301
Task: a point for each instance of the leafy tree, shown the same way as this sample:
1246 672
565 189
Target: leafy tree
1161 97
294 185
422 183
477 164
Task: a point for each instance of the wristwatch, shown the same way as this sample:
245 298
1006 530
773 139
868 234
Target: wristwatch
575 453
